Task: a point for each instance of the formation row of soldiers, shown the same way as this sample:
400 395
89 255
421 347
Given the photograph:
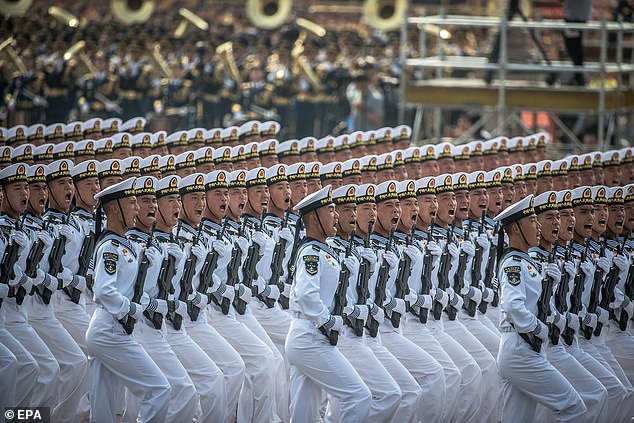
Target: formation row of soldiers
362 289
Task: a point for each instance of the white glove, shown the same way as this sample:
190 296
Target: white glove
424 301
243 245
4 291
27 283
456 300
66 276
180 308
434 249
411 297
136 311
590 320
560 321
260 284
541 331
157 306
572 320
377 312
40 277
368 255
391 259
287 290
359 312
198 300
571 269
468 248
260 238
45 238
227 291
442 297
627 307
398 305
604 264
175 251
552 271
474 294
272 291
602 315
588 269
454 251
487 295
483 240
287 235
244 293
622 262
222 248
153 255
351 263
78 282
412 252
335 323
145 300
20 238
200 252
65 231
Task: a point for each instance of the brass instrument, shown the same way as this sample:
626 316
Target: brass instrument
225 51
14 7
77 50
132 11
268 14
384 15
301 64
159 62
189 17
7 50
64 16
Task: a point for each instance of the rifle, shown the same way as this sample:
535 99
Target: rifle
594 293
475 268
560 298
249 271
128 321
607 291
85 257
33 262
402 276
294 251
629 292
57 252
276 269
340 297
575 296
206 274
232 271
186 280
457 281
443 274
379 291
164 282
425 278
6 268
488 276
362 285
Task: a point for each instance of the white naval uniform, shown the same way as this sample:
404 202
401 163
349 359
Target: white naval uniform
184 401
87 222
528 378
117 358
315 364
254 396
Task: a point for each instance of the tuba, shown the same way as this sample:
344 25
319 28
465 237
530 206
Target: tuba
189 17
64 16
14 7
132 11
268 14
384 15
225 52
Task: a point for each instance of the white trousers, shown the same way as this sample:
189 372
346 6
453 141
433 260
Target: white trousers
591 391
620 401
118 360
73 366
470 397
27 370
491 383
386 393
486 321
490 339
207 377
529 379
315 366
423 367
493 314
622 346
8 377
599 343
73 317
183 397
420 334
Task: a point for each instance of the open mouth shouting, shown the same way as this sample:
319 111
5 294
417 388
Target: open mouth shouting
451 212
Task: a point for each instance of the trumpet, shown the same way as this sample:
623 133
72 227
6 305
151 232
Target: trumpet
189 17
6 49
225 51
14 7
307 27
64 16
159 62
77 50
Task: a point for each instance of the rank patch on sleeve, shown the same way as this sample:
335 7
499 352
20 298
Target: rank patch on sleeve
312 264
110 263
513 274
